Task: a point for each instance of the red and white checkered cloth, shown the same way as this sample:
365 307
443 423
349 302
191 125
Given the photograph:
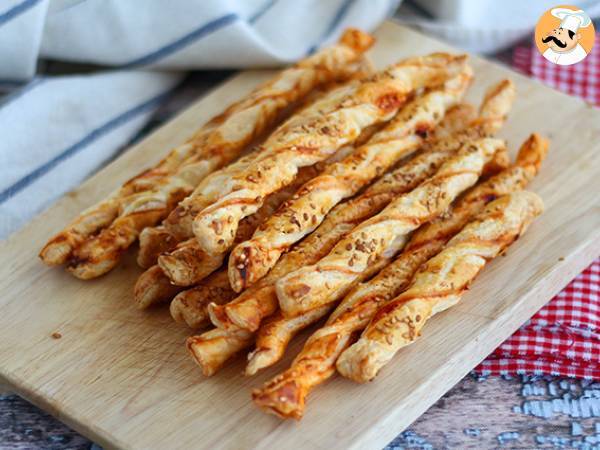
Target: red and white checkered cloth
563 338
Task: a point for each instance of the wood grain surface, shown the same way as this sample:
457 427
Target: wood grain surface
123 378
478 413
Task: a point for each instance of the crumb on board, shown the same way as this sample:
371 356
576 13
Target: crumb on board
56 335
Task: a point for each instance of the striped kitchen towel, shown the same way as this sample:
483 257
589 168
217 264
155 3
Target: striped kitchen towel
57 130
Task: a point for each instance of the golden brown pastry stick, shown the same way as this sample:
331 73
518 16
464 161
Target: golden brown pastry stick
188 263
213 348
153 242
247 312
252 259
153 287
218 142
439 284
375 100
260 301
190 306
458 117
316 361
424 243
384 234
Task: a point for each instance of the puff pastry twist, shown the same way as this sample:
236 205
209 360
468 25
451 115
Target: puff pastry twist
384 234
252 259
260 301
190 306
439 284
148 197
285 395
372 101
246 312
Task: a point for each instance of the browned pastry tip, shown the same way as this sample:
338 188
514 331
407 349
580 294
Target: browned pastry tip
153 287
357 40
188 264
153 242
533 151
190 306
212 349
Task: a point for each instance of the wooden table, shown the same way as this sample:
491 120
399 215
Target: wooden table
479 413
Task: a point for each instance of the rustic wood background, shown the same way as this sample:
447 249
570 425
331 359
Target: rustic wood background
478 413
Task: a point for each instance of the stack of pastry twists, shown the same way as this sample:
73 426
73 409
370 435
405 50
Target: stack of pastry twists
187 264
384 234
186 267
259 301
439 284
252 259
370 200
326 127
246 312
163 238
92 243
316 361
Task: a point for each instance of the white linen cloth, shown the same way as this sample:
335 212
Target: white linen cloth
482 26
56 130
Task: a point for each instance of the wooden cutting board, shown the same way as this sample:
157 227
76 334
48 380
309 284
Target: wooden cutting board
123 378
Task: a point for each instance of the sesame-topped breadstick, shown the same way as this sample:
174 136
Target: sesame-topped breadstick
113 224
252 259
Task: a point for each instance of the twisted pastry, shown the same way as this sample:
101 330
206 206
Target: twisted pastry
373 101
246 312
153 242
212 349
269 349
439 284
156 191
153 287
190 306
384 234
260 301
188 263
316 361
252 259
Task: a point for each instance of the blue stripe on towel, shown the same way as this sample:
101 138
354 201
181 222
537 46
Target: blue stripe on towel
17 10
75 148
258 14
198 33
20 92
335 21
